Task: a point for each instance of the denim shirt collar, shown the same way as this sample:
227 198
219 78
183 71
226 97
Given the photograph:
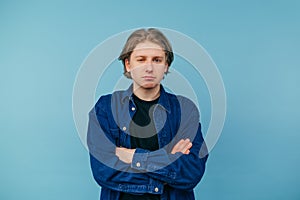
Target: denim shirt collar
163 100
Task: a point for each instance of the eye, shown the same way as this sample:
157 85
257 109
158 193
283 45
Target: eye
140 59
157 60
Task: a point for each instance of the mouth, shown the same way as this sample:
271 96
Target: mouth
148 78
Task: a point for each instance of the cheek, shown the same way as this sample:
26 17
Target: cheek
164 69
135 71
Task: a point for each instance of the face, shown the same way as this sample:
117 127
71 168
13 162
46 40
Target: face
147 65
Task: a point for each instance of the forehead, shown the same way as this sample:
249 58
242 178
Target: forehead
148 49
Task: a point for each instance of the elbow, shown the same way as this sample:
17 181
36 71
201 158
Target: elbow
188 184
189 179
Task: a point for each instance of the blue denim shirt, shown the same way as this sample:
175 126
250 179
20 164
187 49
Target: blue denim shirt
158 172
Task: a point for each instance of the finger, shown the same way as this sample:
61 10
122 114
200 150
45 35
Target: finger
183 146
180 145
187 152
177 146
187 147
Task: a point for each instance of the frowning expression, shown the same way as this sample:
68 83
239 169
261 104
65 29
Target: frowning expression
147 65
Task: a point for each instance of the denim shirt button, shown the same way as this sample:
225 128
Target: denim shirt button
138 164
156 189
124 128
133 108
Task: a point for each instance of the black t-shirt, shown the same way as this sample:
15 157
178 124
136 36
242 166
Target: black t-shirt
143 135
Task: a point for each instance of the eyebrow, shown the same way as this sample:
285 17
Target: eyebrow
148 56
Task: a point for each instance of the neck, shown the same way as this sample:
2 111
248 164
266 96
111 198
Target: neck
146 94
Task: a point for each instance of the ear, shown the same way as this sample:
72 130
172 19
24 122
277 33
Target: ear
127 65
166 67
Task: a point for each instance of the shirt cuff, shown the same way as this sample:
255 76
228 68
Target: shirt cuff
139 160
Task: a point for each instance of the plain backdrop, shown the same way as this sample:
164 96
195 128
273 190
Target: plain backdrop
255 45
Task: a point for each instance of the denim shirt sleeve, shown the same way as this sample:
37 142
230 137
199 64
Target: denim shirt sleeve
177 170
107 169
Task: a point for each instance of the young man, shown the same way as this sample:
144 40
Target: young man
144 142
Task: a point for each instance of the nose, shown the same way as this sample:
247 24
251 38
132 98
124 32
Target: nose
149 66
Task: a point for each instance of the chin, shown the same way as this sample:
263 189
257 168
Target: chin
149 85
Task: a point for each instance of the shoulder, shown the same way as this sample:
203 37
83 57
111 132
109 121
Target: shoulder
103 100
184 102
106 100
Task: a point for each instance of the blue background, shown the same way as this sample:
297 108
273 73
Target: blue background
255 45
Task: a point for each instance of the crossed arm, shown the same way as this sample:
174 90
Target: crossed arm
126 155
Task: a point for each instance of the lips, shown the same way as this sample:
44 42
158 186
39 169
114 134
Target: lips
148 77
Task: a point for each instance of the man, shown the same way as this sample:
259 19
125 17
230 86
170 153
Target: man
144 142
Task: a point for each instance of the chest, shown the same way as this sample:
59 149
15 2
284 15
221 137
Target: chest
162 123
